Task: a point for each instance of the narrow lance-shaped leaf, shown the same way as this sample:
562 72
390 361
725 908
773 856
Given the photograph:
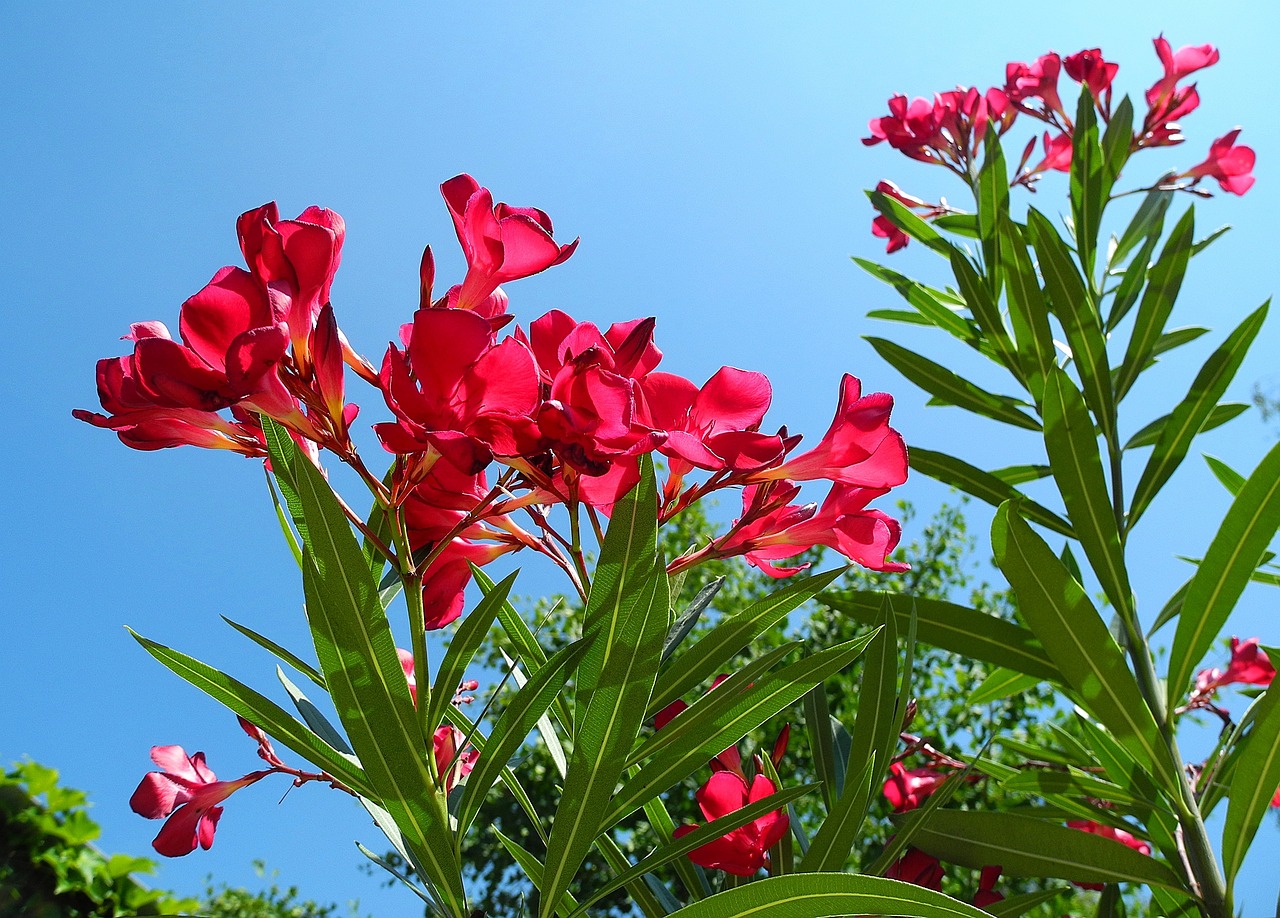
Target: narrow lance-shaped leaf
281 653
1147 221
1076 638
1130 287
1027 847
700 836
771 694
519 716
1221 414
466 640
986 311
922 298
362 671
1071 442
706 658
951 388
1028 314
1164 280
821 895
1229 562
1076 310
628 614
905 219
261 711
1089 181
1116 141
982 485
993 206
874 729
956 628
1191 414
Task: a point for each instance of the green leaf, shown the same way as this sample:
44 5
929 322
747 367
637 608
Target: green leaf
1016 906
960 224
899 315
1071 442
466 640
362 671
951 388
528 652
1232 480
261 711
1146 223
1228 563
1071 783
1208 240
313 717
1257 775
519 716
1021 474
700 836
1190 416
923 299
993 206
1171 609
1001 683
982 485
1076 310
897 844
689 618
1027 847
711 709
905 219
1219 415
1116 141
1028 313
290 539
627 619
749 709
1090 184
1077 640
820 895
533 869
817 723
1133 278
874 729
986 311
717 647
961 630
287 656
1163 283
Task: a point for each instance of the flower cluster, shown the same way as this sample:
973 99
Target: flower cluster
561 408
949 130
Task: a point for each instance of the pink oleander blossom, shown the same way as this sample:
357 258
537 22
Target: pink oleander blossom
843 522
294 262
1249 666
1177 64
917 868
1036 81
907 789
1116 835
454 391
501 243
1230 165
744 850
189 794
713 427
859 448
1092 70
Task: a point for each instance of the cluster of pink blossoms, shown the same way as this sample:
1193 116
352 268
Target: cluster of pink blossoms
949 130
564 409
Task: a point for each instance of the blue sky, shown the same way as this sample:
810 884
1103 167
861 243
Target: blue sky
708 158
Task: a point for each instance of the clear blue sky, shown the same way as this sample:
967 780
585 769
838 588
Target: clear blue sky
708 158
